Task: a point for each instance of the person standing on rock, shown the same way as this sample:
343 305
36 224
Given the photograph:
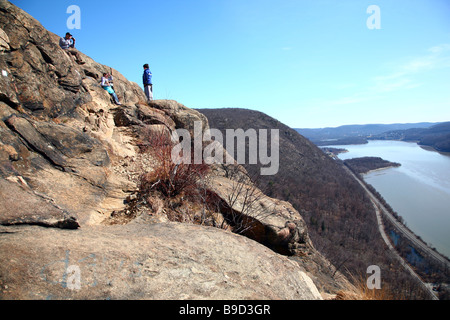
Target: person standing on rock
148 86
107 86
67 43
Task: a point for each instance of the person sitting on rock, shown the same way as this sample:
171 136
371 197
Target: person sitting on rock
107 86
68 44
111 80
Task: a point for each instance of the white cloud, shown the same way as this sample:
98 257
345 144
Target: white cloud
438 57
406 76
363 102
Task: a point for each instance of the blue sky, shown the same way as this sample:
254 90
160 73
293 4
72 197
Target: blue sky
307 63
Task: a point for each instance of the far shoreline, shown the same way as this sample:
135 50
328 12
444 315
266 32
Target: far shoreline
430 148
425 147
379 169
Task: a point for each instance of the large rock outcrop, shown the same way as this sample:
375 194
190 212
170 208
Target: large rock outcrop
158 261
70 159
59 132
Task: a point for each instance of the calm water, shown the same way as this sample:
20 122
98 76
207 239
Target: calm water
419 190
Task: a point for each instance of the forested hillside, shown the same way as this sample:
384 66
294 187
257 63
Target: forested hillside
340 217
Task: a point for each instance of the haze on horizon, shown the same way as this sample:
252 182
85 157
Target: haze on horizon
308 64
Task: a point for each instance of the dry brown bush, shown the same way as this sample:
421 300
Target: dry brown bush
168 177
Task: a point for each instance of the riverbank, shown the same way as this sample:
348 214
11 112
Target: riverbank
429 148
428 266
419 190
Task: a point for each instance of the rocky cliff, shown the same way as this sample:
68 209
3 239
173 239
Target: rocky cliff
74 221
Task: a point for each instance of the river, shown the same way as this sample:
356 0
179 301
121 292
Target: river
418 190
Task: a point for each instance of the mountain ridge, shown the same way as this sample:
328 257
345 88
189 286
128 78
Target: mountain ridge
436 136
355 134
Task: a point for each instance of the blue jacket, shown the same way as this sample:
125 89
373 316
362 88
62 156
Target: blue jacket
147 77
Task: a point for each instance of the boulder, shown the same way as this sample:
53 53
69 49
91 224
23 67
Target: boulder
183 117
141 115
272 222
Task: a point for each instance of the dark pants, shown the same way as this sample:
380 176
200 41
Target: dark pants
75 53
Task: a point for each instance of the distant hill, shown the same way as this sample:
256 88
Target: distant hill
436 136
355 134
341 219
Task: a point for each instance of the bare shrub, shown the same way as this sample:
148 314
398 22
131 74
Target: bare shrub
180 187
168 177
184 189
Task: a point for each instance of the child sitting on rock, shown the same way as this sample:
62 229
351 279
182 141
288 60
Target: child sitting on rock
107 86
